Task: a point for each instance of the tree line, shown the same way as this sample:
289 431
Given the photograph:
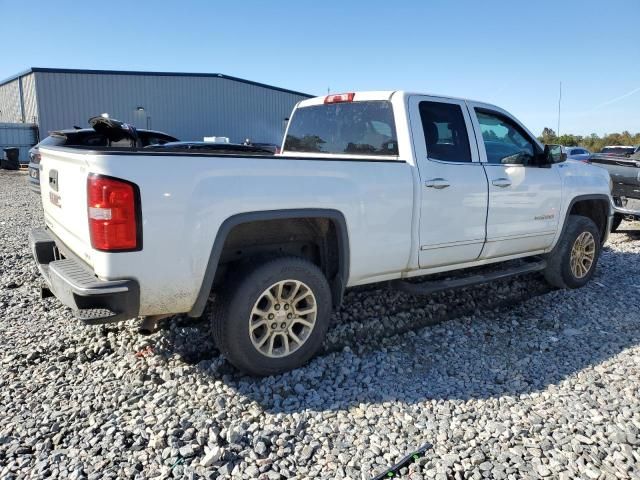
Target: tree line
592 142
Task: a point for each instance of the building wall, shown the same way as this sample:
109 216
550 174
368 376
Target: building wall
14 109
30 98
10 102
20 135
188 107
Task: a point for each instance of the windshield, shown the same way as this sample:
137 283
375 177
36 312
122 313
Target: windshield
357 128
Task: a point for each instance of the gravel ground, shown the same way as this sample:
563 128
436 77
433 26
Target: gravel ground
509 380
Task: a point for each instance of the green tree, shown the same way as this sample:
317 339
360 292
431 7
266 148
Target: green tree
593 142
569 140
548 136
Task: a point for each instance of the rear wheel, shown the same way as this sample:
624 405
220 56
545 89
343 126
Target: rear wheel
573 261
272 317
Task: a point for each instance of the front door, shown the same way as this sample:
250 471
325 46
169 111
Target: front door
524 196
453 186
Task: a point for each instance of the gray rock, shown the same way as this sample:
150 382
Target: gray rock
477 458
188 451
235 434
212 456
261 448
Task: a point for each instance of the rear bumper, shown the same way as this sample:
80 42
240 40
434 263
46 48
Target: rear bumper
93 301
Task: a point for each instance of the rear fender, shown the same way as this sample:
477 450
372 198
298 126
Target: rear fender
231 222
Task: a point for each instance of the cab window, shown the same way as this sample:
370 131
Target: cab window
504 141
355 128
445 132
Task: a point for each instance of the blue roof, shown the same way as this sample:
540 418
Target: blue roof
151 74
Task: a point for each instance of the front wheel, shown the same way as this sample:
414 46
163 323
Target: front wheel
272 317
573 261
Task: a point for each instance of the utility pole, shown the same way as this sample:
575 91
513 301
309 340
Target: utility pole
559 104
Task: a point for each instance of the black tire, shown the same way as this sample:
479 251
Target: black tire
617 220
559 272
233 312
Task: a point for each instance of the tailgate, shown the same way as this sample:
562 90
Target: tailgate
63 186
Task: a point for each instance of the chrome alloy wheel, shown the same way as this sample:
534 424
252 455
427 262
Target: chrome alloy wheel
583 253
283 318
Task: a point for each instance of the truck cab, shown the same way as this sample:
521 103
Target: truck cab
485 188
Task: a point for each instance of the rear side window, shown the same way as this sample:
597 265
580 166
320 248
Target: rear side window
445 132
354 128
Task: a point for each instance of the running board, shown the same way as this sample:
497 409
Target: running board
432 286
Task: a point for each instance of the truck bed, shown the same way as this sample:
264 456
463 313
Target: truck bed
185 197
624 172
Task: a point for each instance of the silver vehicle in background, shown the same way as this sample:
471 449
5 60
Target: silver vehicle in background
579 154
620 150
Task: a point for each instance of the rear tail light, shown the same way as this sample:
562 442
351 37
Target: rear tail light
339 98
114 214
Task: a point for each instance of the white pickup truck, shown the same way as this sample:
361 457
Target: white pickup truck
370 187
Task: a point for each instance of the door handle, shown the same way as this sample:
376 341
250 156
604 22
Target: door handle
501 182
437 183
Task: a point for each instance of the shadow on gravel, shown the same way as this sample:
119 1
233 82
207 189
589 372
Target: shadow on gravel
511 338
631 234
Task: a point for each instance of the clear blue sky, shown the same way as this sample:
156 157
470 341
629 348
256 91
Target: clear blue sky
509 52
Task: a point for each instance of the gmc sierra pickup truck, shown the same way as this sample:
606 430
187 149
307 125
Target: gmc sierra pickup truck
370 187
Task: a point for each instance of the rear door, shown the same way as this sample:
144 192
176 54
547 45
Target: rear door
524 199
453 204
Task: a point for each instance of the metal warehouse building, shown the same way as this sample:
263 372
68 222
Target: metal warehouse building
189 106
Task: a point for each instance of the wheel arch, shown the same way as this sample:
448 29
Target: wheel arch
335 217
597 207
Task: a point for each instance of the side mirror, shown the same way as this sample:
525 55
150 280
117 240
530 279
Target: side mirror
554 154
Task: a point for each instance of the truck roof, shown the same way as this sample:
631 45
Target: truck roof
361 96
